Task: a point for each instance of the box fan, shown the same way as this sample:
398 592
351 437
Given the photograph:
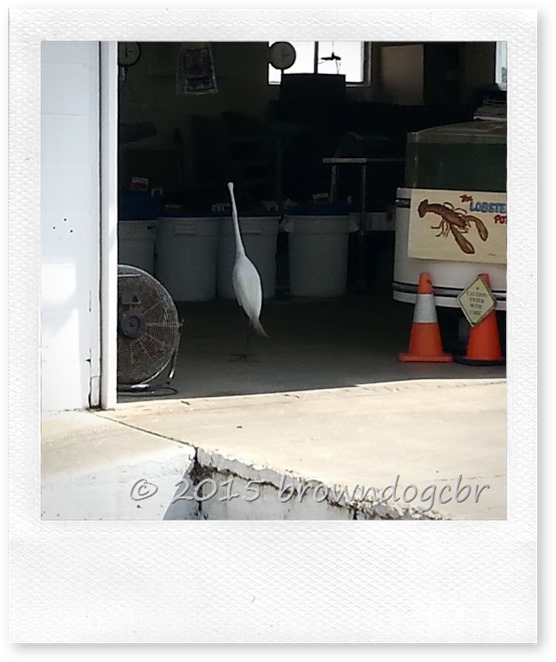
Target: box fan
149 332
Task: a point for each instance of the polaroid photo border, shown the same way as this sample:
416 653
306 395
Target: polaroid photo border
279 582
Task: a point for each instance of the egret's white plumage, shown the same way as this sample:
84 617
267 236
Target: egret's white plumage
245 277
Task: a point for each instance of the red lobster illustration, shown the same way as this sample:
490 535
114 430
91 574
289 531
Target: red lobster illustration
454 221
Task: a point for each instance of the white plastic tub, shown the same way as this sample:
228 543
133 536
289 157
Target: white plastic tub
136 241
448 278
318 254
186 256
259 235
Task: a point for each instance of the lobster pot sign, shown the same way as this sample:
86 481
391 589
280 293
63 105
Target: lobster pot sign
458 226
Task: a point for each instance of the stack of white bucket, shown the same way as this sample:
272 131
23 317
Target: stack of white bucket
195 254
136 243
318 250
137 212
186 256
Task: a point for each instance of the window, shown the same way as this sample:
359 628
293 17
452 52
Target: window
326 57
501 76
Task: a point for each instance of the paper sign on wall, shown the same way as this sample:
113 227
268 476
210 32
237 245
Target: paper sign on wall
461 226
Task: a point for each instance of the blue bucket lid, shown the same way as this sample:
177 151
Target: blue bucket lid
182 213
138 205
319 210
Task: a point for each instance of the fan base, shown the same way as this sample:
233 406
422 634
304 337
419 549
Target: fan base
147 389
134 388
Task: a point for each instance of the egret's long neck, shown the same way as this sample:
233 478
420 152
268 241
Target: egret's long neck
240 250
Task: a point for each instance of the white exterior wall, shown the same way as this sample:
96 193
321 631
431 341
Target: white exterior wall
70 225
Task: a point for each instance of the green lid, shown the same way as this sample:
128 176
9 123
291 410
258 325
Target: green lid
482 132
471 155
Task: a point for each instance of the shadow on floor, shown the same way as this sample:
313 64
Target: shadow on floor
312 345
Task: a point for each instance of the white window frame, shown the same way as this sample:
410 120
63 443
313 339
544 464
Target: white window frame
366 66
501 71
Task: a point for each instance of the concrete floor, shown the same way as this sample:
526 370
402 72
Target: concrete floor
324 400
312 345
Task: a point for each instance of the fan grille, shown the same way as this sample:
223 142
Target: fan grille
148 327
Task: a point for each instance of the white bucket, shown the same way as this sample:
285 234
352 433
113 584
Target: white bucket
186 256
318 254
136 244
259 235
448 278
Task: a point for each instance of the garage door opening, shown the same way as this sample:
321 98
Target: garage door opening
330 181
305 156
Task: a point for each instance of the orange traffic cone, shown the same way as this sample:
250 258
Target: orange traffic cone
425 343
483 346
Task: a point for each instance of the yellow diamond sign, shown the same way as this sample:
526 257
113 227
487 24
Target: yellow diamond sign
477 301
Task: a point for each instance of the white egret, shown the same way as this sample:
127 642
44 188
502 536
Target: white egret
246 281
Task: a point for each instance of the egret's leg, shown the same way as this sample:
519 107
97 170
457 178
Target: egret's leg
243 356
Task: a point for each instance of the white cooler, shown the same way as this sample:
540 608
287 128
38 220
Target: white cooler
448 278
